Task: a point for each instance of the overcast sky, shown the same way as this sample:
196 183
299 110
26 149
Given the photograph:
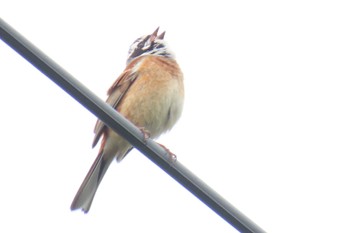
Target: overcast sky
265 122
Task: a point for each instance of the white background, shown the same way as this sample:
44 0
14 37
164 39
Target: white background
265 122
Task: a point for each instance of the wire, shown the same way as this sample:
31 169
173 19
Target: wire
126 129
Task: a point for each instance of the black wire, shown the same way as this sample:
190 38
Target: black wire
118 123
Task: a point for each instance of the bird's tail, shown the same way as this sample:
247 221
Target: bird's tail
88 188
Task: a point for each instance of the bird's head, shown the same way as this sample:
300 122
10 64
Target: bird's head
152 44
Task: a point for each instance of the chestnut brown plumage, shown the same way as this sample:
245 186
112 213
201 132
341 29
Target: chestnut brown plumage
150 93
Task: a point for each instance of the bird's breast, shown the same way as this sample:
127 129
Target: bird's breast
155 99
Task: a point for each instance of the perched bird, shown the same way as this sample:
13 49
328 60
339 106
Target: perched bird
149 93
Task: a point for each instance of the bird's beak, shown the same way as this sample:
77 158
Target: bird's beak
155 36
161 36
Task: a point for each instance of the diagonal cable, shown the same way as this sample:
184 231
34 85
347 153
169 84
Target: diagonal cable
126 129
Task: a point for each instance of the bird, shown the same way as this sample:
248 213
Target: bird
149 93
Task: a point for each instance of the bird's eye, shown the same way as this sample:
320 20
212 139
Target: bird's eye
141 44
145 43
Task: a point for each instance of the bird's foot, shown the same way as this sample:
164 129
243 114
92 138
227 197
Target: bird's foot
172 155
146 134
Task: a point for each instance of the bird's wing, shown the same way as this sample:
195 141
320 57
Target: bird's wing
115 95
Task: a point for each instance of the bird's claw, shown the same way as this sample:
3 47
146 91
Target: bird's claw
146 134
172 155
